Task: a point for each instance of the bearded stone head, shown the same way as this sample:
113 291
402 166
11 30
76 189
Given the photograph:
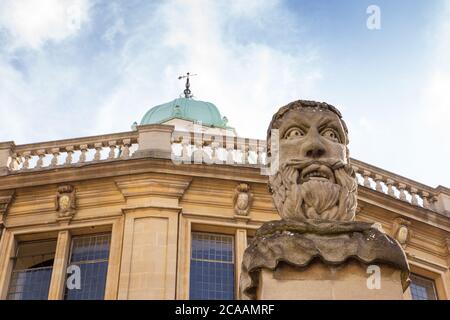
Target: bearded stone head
314 179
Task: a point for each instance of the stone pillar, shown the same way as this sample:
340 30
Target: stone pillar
6 150
154 141
58 280
443 200
350 281
240 245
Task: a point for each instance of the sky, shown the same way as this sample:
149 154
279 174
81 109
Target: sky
72 68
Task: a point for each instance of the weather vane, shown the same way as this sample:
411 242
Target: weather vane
187 91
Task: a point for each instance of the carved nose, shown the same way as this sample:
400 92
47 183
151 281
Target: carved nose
313 147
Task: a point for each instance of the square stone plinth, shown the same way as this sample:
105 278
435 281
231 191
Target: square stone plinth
318 281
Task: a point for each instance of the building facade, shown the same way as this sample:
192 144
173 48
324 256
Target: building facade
165 211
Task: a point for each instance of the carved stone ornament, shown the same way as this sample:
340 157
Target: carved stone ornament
65 203
314 190
6 198
401 231
242 199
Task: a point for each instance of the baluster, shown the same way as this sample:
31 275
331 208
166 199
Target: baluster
27 157
252 151
425 196
260 158
414 200
230 158
83 149
215 152
198 152
98 148
69 158
112 147
401 188
378 179
126 143
185 150
390 183
207 157
244 153
40 161
54 161
14 163
366 175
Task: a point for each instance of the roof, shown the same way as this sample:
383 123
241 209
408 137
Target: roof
187 109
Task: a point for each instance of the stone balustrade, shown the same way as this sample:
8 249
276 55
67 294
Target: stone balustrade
396 186
69 152
196 147
190 147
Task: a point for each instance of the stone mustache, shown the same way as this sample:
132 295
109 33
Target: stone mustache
314 190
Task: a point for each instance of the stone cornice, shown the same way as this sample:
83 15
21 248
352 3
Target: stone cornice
172 186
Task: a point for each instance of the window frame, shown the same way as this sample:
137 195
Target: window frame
190 223
232 262
12 236
69 257
15 257
432 281
434 272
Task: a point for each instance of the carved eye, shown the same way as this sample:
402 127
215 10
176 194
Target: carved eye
294 133
331 134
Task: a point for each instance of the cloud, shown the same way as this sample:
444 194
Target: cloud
31 23
245 78
436 93
251 57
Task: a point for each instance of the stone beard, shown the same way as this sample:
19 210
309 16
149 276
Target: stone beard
332 198
314 179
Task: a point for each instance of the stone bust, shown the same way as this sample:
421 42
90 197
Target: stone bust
314 179
314 190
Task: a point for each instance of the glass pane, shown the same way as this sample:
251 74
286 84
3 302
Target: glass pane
422 288
212 266
90 253
30 284
30 279
90 248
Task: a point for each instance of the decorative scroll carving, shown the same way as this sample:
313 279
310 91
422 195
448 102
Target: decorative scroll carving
65 202
242 199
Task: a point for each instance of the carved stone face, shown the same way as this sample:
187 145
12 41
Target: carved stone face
314 179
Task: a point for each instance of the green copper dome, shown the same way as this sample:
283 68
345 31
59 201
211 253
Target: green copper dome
186 109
